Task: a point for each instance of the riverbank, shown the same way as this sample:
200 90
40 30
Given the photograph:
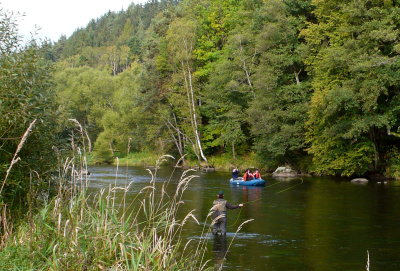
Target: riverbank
222 162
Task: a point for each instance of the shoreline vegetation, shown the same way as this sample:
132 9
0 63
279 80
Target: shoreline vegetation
79 231
222 162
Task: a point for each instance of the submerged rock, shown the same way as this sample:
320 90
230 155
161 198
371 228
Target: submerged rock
360 180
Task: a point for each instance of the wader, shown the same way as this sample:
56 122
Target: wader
220 209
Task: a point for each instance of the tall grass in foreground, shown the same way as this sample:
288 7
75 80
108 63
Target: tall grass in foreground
76 231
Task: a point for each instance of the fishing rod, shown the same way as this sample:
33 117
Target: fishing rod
280 191
290 187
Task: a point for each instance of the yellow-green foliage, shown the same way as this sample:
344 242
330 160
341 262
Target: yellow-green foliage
144 158
336 156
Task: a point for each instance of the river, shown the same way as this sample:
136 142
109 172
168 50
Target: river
313 223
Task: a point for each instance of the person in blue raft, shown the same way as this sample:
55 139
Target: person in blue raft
249 175
235 173
220 208
257 174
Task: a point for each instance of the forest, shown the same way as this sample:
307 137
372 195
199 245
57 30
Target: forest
314 85
309 84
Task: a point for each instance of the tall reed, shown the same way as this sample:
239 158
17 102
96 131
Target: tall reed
76 231
79 231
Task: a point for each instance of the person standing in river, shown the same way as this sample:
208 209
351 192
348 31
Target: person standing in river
220 208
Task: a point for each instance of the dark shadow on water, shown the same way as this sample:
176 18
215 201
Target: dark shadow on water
220 248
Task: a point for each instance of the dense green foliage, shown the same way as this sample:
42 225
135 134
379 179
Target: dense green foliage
355 70
310 84
27 96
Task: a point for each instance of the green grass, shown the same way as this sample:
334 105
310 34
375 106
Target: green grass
144 158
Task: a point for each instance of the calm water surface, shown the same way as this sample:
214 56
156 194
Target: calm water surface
315 223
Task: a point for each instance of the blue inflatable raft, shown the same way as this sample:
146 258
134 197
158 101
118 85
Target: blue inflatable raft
254 182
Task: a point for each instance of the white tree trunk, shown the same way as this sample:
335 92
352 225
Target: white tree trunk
195 148
296 75
192 104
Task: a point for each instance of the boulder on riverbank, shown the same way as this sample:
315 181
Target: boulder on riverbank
284 172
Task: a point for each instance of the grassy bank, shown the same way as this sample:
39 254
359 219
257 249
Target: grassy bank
78 232
137 159
145 158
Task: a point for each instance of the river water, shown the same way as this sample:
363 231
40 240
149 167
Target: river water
313 223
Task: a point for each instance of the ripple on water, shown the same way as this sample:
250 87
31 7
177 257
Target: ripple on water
229 235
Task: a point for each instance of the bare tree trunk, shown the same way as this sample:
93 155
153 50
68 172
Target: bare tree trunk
195 118
195 148
111 149
192 104
180 145
392 133
178 138
113 63
248 72
113 59
177 141
296 75
248 78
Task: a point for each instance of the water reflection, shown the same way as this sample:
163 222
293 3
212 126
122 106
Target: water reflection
251 194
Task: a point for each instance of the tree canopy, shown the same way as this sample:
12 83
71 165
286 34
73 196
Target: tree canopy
310 84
